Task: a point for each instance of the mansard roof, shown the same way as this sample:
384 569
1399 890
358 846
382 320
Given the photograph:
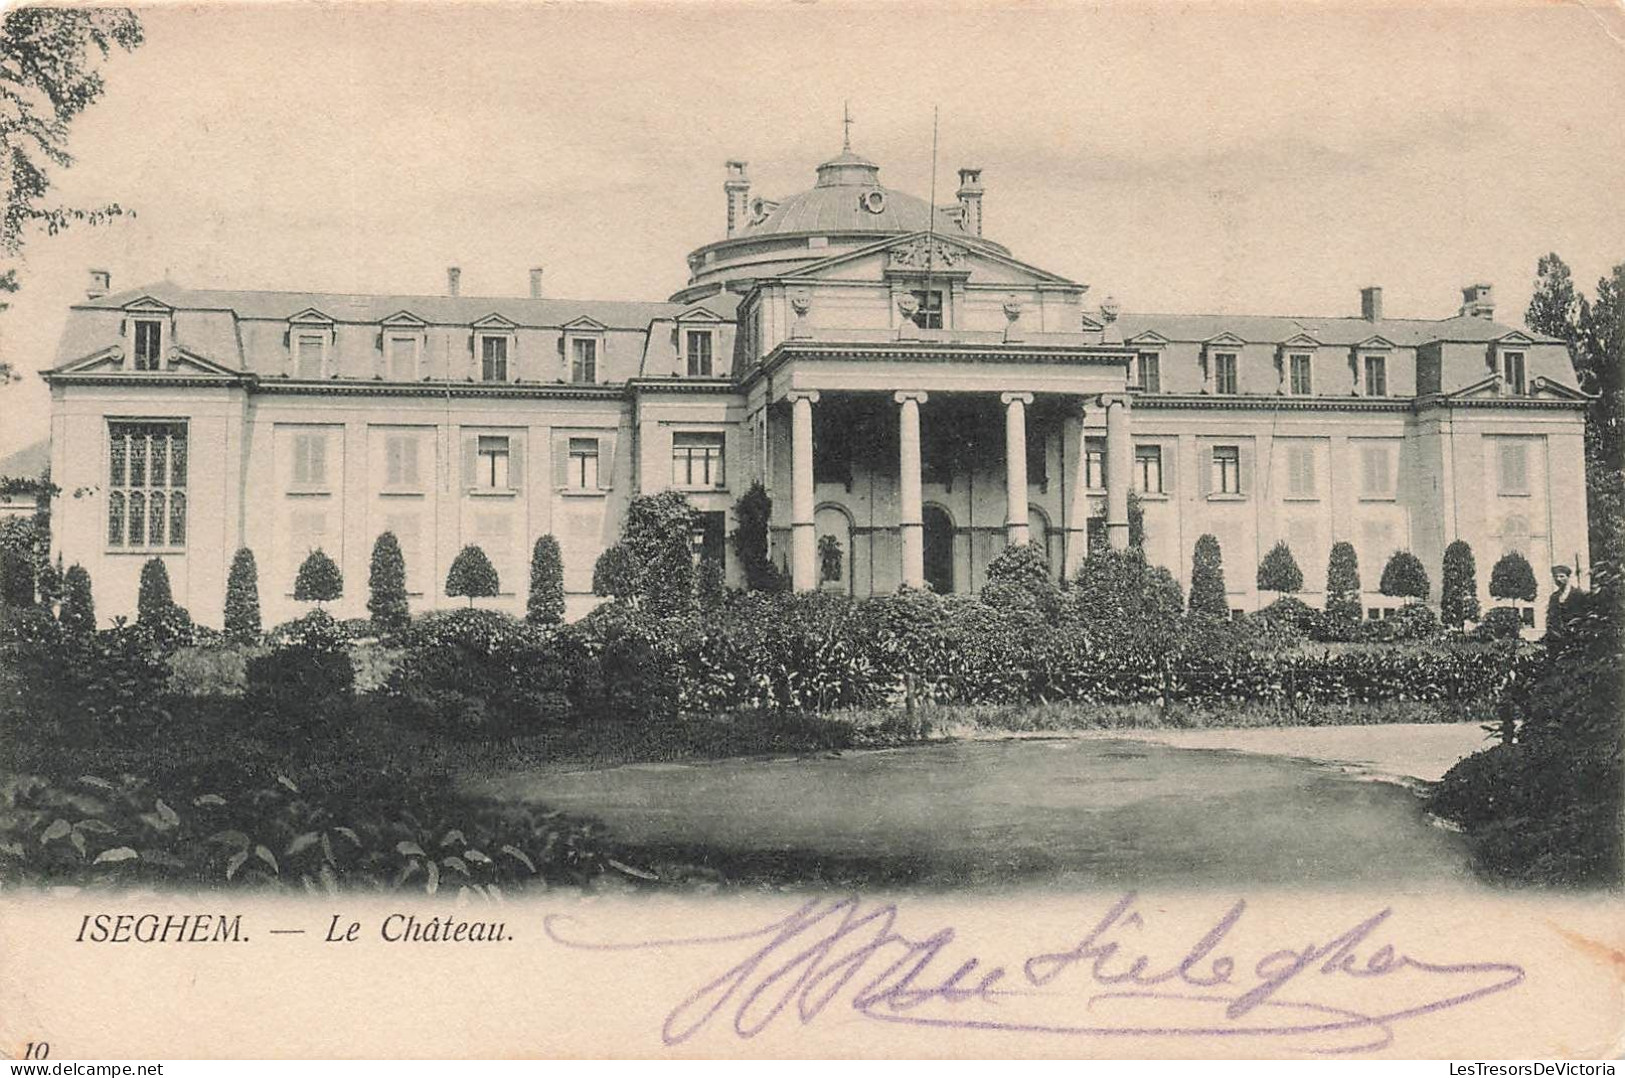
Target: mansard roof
1280 329
438 310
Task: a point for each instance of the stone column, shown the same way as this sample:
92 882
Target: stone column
1119 462
1015 466
909 509
1077 499
803 541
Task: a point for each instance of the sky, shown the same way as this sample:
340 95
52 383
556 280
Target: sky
1229 158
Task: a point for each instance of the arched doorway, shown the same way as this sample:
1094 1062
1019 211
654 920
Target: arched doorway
938 540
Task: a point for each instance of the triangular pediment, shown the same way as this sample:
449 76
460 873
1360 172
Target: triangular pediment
1224 340
1147 338
1546 389
1375 343
1301 341
585 325
700 314
404 320
99 361
110 360
496 321
921 252
1515 339
147 305
311 316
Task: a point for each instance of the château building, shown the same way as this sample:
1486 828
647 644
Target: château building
901 383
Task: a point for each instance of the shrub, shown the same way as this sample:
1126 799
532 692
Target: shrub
1500 623
78 614
711 589
1414 621
1279 571
1019 578
16 580
1458 586
1512 579
1208 596
1126 602
1288 610
242 619
472 575
386 584
1404 577
49 584
754 511
155 597
319 579
652 566
305 682
1343 587
545 605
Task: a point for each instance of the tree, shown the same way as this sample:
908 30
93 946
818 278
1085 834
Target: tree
78 614
1096 536
155 599
652 566
1513 579
545 606
48 76
1343 583
16 579
319 579
1554 307
1208 595
1019 577
386 584
50 584
472 575
754 511
1404 577
1279 571
1458 586
243 596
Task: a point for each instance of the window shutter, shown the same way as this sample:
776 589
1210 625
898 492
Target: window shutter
1245 452
516 462
1170 466
561 460
1204 469
606 462
471 449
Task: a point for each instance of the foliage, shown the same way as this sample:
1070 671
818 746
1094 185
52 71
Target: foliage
1404 577
49 584
1343 585
242 615
711 588
1458 587
386 584
1413 621
1500 623
754 511
831 559
652 566
319 579
78 613
472 575
155 596
545 604
1208 596
16 579
305 681
48 76
1513 579
1019 578
1097 534
1279 571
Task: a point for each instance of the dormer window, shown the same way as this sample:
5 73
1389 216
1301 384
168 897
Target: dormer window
401 355
149 344
1148 372
584 360
493 359
309 354
1301 374
1513 372
1376 376
1224 372
699 342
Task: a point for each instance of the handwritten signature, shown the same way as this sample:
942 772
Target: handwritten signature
829 950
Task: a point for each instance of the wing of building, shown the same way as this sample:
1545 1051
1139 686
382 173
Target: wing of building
912 395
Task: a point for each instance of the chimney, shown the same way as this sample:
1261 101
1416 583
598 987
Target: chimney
1477 301
1371 303
737 188
101 283
454 280
970 200
536 282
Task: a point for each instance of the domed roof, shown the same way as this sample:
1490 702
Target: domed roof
847 198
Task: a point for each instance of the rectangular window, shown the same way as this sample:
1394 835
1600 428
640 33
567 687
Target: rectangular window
403 359
1303 381
1148 468
1300 471
1514 469
583 360
699 353
1376 376
1226 477
146 500
1094 463
696 459
491 471
583 469
928 315
307 355
1376 471
1149 374
1512 363
401 461
494 359
149 339
1224 372
310 459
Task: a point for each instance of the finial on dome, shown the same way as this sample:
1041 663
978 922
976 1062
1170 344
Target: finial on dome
846 127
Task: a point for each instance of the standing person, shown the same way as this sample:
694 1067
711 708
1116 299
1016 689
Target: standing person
1564 602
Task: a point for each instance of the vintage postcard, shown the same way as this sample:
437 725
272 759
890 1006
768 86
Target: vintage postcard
812 530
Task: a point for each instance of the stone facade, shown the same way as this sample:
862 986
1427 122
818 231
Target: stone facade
912 396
